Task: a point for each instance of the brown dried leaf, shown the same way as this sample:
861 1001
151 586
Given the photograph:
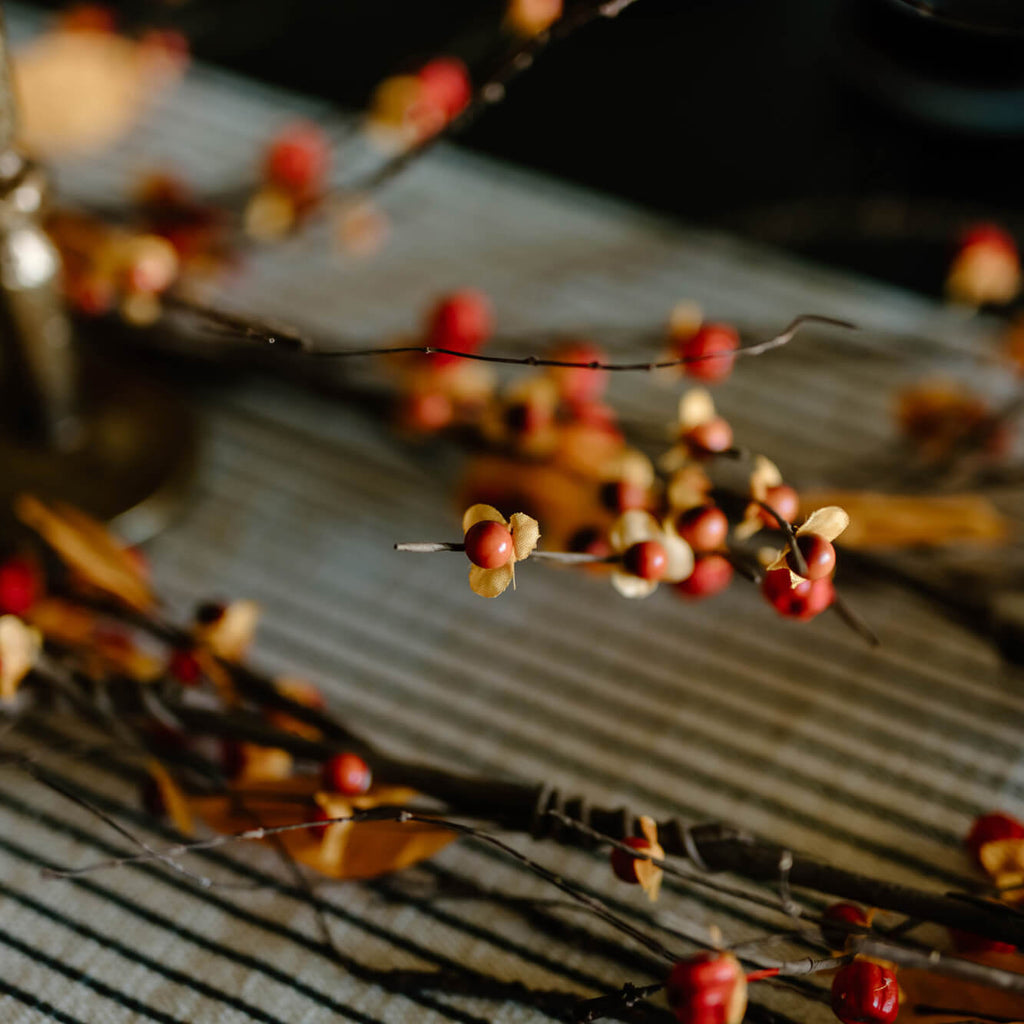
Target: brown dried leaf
64 622
898 520
88 549
368 849
919 987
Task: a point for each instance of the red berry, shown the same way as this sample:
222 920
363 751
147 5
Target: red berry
710 348
19 586
623 864
347 774
989 827
704 528
461 322
621 495
711 575
714 435
849 914
803 601
647 559
783 500
185 667
299 158
988 235
968 942
445 86
865 993
819 554
489 544
709 988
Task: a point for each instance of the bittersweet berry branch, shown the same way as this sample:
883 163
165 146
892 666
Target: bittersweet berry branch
290 339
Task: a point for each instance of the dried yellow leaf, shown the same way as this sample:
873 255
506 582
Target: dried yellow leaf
19 648
88 549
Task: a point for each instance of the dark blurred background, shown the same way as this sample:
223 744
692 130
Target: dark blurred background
865 133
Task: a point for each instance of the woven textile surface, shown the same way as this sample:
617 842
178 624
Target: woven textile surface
873 759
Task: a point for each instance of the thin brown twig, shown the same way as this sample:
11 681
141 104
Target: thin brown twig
492 90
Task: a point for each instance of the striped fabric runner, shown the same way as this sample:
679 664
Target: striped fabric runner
876 760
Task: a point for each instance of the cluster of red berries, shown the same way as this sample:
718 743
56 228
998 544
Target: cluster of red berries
407 109
803 599
990 832
107 268
295 170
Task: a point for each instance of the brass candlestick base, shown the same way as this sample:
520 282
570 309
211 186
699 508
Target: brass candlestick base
72 428
132 465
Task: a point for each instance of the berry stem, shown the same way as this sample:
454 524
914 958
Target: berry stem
292 340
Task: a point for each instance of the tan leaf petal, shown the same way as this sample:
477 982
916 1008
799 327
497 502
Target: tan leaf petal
687 488
649 874
525 534
680 556
629 465
685 319
539 390
481 514
632 586
334 839
632 527
88 549
490 582
780 562
674 459
19 648
1003 860
749 525
828 522
696 406
229 636
765 474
